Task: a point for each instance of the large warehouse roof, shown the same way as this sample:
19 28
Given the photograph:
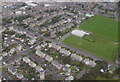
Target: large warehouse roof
79 33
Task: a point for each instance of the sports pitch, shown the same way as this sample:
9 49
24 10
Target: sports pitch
104 39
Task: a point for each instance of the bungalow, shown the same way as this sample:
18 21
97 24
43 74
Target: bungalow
41 54
69 78
18 12
32 41
4 54
76 57
62 28
44 44
19 47
52 35
12 50
10 28
39 68
32 64
57 47
67 53
38 47
30 3
48 5
12 69
43 29
69 25
24 7
19 75
42 75
66 69
57 64
1 29
49 58
89 62
1 58
26 60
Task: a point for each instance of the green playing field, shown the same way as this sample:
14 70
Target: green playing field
104 39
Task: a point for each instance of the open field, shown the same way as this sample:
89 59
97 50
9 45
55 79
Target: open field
103 78
103 26
103 41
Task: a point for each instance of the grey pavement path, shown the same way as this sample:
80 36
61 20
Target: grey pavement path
5 76
65 36
83 72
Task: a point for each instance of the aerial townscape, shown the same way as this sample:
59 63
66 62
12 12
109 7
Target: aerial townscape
59 41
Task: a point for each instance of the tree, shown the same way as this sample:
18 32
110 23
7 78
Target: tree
92 75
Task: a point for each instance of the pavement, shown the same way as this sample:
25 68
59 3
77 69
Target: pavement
65 36
83 72
5 76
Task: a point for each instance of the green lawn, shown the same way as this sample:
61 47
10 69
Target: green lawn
103 78
103 40
103 26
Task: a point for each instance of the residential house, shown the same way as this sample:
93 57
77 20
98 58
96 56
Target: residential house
12 69
62 28
12 50
19 75
65 52
32 41
69 78
41 54
69 25
39 68
19 47
1 29
10 28
49 58
52 35
57 47
89 62
57 64
26 60
32 64
44 29
44 44
42 75
38 48
76 57
4 54
66 69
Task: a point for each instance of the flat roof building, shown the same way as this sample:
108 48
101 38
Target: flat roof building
79 33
